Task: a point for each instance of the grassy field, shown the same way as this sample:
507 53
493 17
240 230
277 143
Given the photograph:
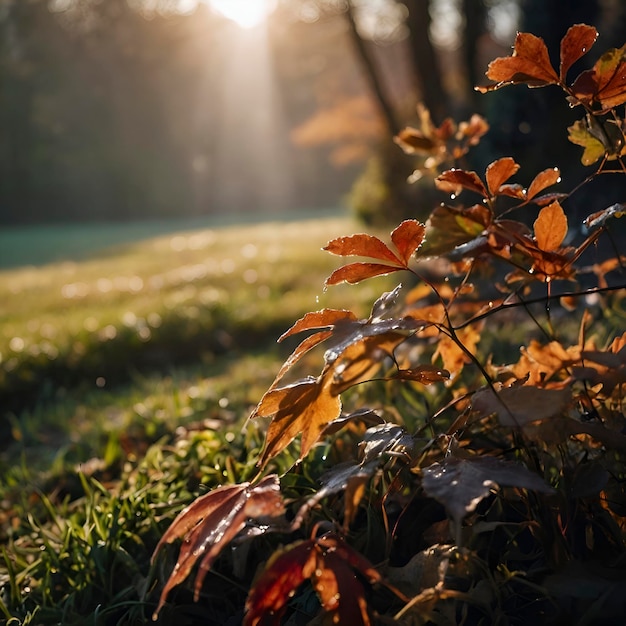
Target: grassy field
128 377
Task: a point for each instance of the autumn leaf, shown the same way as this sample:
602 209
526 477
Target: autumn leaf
550 227
605 84
576 43
544 179
594 149
414 141
452 181
330 564
597 220
304 407
516 406
499 172
407 238
529 63
461 483
362 245
447 228
211 522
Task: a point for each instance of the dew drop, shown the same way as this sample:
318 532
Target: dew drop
558 180
452 196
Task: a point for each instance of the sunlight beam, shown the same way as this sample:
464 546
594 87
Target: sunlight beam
245 13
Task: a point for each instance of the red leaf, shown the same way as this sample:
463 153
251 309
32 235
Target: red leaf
407 238
550 227
356 272
544 179
362 245
452 180
576 43
319 319
283 574
530 64
606 82
211 522
499 172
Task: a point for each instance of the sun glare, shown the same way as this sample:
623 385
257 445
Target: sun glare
245 13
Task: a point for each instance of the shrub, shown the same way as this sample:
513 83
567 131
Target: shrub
461 452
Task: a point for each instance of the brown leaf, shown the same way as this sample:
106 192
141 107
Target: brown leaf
460 483
605 84
211 522
544 179
413 141
407 238
448 228
576 43
362 245
319 319
356 272
451 181
550 227
452 356
499 172
516 406
425 374
529 63
304 407
596 220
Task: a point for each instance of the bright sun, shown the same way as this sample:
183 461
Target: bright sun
245 13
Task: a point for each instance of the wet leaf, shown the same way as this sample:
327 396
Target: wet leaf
362 245
516 406
451 181
499 172
529 63
330 564
461 483
576 43
597 220
448 228
407 238
356 272
319 319
425 374
544 179
605 84
305 407
579 134
385 439
208 524
550 227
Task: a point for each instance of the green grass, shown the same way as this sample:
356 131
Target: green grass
126 381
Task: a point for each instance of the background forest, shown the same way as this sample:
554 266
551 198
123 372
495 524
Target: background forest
129 109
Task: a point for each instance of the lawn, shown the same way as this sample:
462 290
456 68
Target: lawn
126 379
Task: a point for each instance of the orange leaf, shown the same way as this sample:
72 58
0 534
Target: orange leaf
362 245
356 272
451 181
407 238
550 227
499 172
544 179
304 407
530 64
576 43
319 319
425 374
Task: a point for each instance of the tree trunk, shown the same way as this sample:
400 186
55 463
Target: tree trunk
375 82
425 61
